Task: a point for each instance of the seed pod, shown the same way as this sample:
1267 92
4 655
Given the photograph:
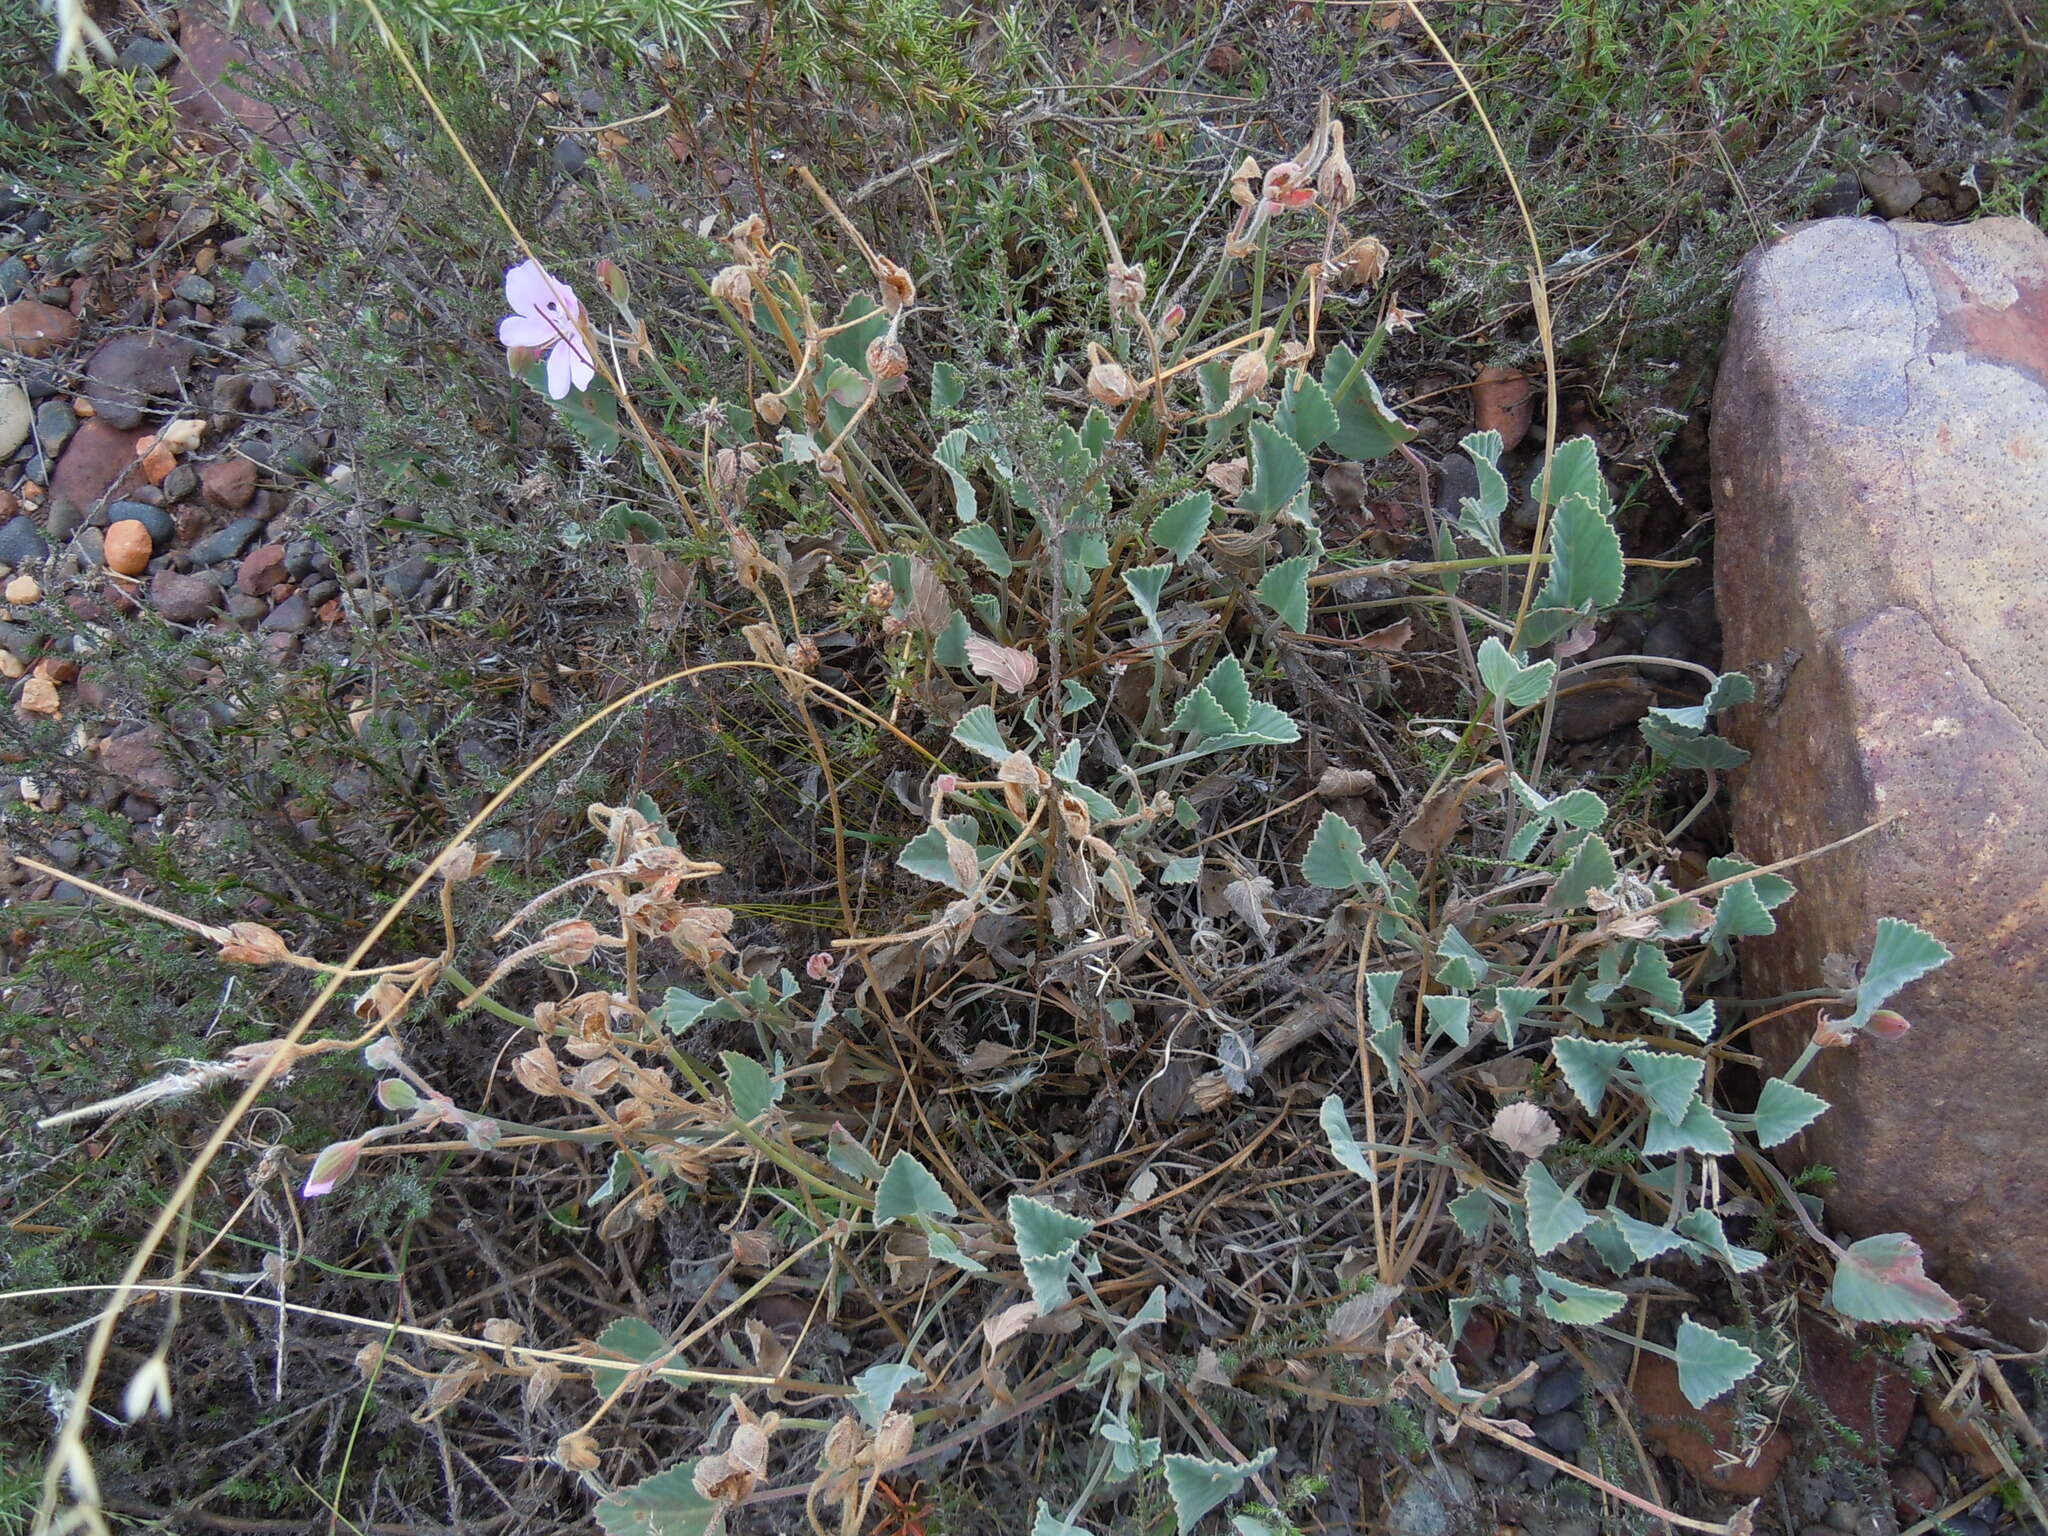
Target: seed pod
465 861
771 408
803 656
745 237
576 1452
252 944
887 359
1241 181
734 285
1248 376
898 291
539 1073
1361 263
1335 183
1108 383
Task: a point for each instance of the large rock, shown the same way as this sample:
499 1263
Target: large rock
1880 456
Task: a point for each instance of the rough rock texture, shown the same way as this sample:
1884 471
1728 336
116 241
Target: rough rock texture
1881 488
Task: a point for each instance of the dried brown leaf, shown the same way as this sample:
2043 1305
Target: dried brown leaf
1010 670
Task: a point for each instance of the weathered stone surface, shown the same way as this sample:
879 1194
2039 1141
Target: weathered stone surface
130 376
35 330
1700 1439
1881 490
99 459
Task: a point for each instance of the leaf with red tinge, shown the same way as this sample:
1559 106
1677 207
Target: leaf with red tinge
1881 1280
1010 670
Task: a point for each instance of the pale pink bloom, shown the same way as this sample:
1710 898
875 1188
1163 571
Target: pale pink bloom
548 319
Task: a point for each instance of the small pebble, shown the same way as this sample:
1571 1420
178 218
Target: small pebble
24 591
1558 1391
21 541
1564 1432
194 289
55 422
228 542
1492 1463
155 519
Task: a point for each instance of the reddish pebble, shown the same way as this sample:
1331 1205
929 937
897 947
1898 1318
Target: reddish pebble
229 482
261 570
35 330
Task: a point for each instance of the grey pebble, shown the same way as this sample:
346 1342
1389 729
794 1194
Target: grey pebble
194 289
225 543
21 542
1563 1432
1492 1463
146 55
289 616
14 277
287 346
1559 1390
55 422
1843 1515
181 484
245 610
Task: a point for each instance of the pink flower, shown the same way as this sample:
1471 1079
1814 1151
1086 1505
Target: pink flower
548 319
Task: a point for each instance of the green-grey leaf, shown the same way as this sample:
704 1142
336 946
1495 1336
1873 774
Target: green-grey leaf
1710 1363
982 541
1366 428
1574 471
1284 589
1588 1066
1278 470
909 1189
948 390
1585 570
1901 955
1514 1004
680 1009
1645 1241
1698 1022
1699 1130
1449 1014
1343 1144
1783 1110
1882 1280
1181 871
925 854
1458 964
1706 1229
1505 676
951 456
1567 1301
875 1390
1146 583
1591 869
1045 1523
849 1156
1479 518
939 1244
1555 1218
1473 1212
748 1085
1335 860
1180 526
1197 1486
1669 1080
979 732
666 1504
1305 414
631 1339
1043 1232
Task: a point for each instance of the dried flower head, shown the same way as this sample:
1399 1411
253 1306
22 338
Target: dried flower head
1126 290
887 359
897 290
251 944
1109 384
1335 182
576 1452
746 237
1248 376
465 861
1360 264
1242 182
734 286
771 408
1524 1128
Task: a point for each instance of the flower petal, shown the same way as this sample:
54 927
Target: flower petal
528 288
525 331
581 369
561 366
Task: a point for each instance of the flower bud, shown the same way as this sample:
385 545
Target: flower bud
612 280
821 965
1887 1025
395 1093
734 285
334 1167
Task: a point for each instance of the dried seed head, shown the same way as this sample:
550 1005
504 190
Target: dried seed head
771 408
1109 384
880 594
572 941
746 236
898 291
540 1386
892 1440
576 1452
887 359
537 1072
1361 263
380 1003
830 467
1335 182
465 861
803 656
1248 376
1126 290
1241 183
843 1444
502 1331
252 944
1294 353
734 285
